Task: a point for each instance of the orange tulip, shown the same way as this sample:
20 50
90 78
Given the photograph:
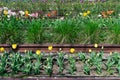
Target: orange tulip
48 15
109 12
26 13
104 15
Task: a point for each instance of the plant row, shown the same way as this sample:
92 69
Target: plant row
78 29
63 8
39 64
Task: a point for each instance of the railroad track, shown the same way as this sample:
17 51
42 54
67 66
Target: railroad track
107 48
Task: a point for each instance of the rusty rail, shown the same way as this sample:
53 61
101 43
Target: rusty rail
64 47
65 78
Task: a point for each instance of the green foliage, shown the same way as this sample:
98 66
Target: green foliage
118 67
33 64
72 67
109 65
67 30
15 62
11 30
35 33
3 63
60 62
48 65
86 69
82 56
95 60
37 65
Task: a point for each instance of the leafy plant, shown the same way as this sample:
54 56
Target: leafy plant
35 33
86 69
60 62
67 30
27 63
12 30
91 30
115 57
115 30
15 62
72 66
95 60
37 65
27 68
109 65
3 63
82 56
118 67
48 65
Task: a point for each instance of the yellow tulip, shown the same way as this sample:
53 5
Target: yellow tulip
90 50
5 12
85 14
38 52
50 48
95 45
14 46
72 50
88 12
26 13
2 49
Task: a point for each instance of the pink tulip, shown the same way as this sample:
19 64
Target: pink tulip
35 15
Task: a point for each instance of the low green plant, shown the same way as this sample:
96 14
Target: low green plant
35 33
67 30
37 65
15 62
92 58
48 65
27 63
12 29
95 60
3 63
27 68
109 64
60 62
118 67
115 57
91 31
72 66
86 69
82 56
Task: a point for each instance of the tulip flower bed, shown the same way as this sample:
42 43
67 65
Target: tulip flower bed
27 25
78 26
61 64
